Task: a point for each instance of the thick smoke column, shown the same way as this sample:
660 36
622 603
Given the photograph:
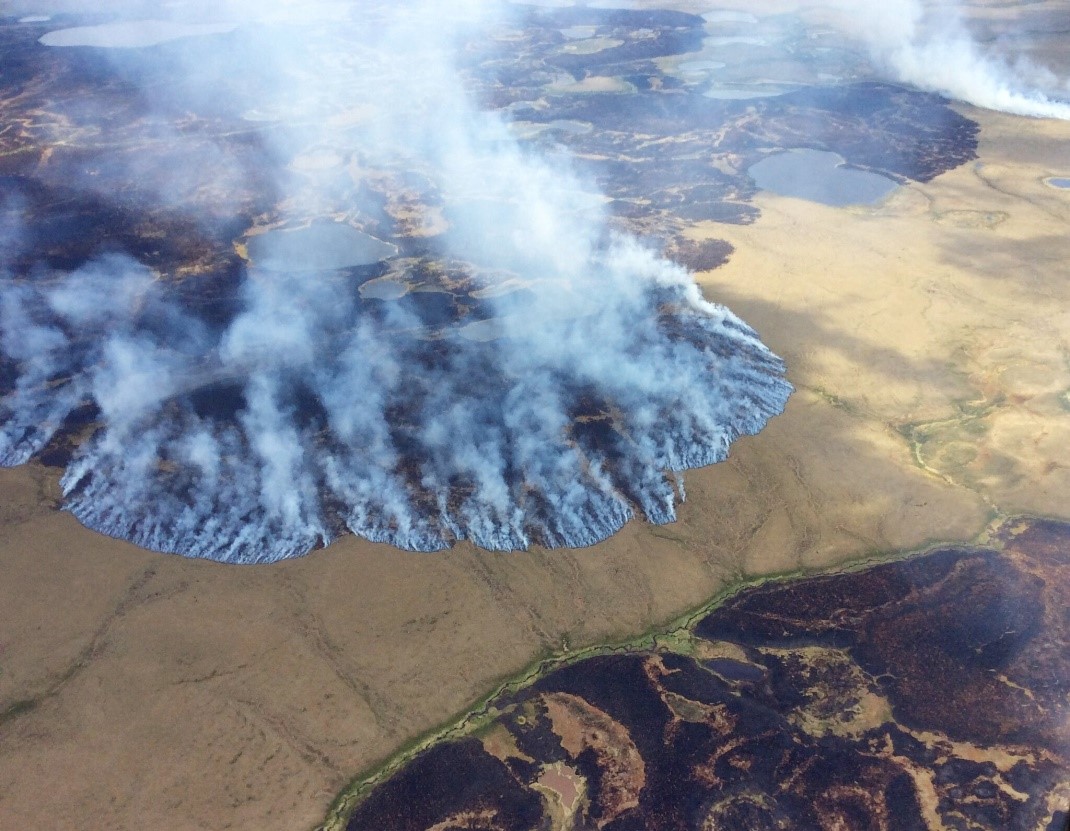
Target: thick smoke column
592 370
928 46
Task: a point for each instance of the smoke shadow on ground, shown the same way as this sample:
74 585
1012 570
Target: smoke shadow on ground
797 332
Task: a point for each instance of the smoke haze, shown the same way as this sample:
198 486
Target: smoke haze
929 46
553 410
530 378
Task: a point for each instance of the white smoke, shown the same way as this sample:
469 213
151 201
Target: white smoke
928 45
378 421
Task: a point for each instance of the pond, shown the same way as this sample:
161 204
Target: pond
700 66
745 92
729 16
819 177
134 34
324 246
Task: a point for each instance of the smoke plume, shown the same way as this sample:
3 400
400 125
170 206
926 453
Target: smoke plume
929 46
549 405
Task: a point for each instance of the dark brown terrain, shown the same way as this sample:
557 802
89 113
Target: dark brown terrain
923 693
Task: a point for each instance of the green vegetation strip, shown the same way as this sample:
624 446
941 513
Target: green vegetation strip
673 636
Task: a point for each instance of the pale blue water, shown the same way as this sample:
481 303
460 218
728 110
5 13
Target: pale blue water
324 246
819 177
701 66
131 34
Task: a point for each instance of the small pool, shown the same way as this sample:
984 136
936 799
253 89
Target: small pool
384 288
744 92
700 66
736 40
736 670
579 32
134 34
324 246
819 177
729 16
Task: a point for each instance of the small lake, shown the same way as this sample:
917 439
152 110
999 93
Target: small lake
734 40
579 32
736 670
1061 182
325 246
819 177
700 66
745 92
729 16
134 34
384 288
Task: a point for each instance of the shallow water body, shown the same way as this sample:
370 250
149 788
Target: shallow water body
819 176
132 34
324 246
